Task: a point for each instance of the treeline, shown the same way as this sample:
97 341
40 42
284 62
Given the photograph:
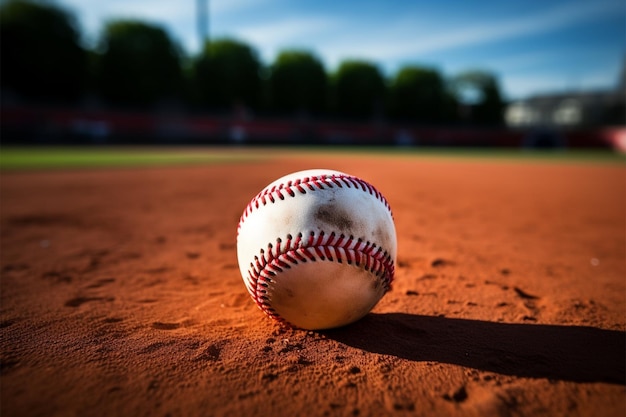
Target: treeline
137 65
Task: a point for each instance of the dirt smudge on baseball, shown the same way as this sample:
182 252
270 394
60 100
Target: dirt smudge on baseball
382 236
331 215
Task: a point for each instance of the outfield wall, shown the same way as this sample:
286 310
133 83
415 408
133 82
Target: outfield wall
28 125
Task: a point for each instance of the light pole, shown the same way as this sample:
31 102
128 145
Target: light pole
202 10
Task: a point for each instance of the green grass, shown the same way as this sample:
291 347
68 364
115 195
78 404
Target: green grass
86 157
38 158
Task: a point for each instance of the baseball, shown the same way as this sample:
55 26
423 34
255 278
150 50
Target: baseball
317 249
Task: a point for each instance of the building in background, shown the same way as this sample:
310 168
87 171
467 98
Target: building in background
574 109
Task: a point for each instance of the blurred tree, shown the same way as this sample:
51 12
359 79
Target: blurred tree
479 91
418 94
226 74
139 64
298 83
41 55
359 90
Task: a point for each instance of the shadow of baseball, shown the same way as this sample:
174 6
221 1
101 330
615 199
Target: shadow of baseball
572 353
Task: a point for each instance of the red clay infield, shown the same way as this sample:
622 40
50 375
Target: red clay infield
121 295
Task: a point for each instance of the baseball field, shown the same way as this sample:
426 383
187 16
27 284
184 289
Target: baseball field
121 294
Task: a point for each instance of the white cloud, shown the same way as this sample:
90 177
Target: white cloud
162 10
402 41
284 32
294 32
230 6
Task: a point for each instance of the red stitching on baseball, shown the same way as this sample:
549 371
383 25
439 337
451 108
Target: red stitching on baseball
312 184
321 247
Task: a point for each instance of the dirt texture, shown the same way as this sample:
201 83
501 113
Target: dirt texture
121 295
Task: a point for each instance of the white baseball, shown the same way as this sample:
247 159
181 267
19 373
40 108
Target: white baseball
317 249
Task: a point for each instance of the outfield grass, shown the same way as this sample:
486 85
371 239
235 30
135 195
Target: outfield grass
16 158
86 157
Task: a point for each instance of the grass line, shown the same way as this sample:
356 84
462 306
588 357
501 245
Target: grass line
37 158
59 158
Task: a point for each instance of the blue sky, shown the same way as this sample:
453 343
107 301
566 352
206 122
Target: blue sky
532 46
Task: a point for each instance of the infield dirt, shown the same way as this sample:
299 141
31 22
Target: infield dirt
121 295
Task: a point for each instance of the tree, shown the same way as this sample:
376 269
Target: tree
226 73
298 82
359 89
41 54
139 65
479 91
418 94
